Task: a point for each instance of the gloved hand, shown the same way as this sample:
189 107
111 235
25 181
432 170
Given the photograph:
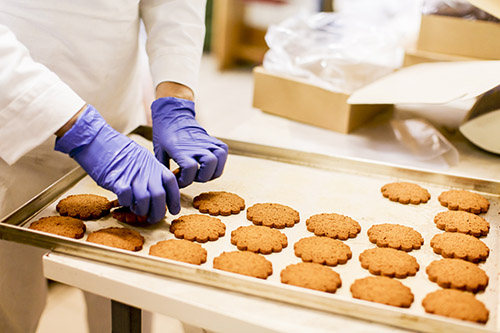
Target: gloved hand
177 135
119 164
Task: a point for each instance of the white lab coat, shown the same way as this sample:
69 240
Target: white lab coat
54 57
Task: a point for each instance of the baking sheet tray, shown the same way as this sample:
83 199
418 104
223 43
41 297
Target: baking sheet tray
311 184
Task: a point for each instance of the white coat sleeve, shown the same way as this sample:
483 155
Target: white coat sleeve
175 36
34 102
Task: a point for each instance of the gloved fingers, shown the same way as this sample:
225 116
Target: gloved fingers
140 205
173 194
208 164
124 193
189 169
158 199
160 154
221 155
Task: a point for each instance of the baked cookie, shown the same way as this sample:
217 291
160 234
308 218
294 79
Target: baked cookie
180 250
197 227
245 263
463 222
322 250
261 239
219 203
456 304
382 289
461 246
405 193
457 274
396 236
464 200
389 262
121 238
60 225
312 276
273 215
333 225
125 215
84 206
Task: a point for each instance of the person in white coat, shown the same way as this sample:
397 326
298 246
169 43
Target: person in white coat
71 68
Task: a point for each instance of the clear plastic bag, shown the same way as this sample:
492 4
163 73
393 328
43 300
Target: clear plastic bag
336 51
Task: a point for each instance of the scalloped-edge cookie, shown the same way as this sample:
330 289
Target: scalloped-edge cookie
312 276
405 193
461 246
261 239
389 262
84 206
245 263
125 215
273 215
395 236
60 225
180 250
457 274
333 225
122 238
322 250
456 304
463 222
381 289
197 227
464 200
219 203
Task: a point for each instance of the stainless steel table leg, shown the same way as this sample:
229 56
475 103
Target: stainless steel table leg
125 318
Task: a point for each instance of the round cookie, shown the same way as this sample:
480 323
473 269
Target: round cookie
396 236
461 246
389 262
219 203
456 304
245 263
180 250
322 250
457 274
333 225
261 239
312 276
125 215
60 225
383 290
197 227
121 238
273 215
84 206
463 222
464 200
405 193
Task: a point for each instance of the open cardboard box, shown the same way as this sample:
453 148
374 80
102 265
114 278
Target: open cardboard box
456 36
426 83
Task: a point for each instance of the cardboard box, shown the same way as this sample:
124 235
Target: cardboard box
462 37
298 100
414 57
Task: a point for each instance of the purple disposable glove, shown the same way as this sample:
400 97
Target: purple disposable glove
177 135
119 164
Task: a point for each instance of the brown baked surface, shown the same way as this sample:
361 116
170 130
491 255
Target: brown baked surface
460 246
457 274
245 263
180 250
382 289
456 304
273 215
311 275
197 227
121 238
405 193
125 215
84 206
60 225
463 222
396 236
333 225
258 239
464 200
389 262
322 250
219 203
